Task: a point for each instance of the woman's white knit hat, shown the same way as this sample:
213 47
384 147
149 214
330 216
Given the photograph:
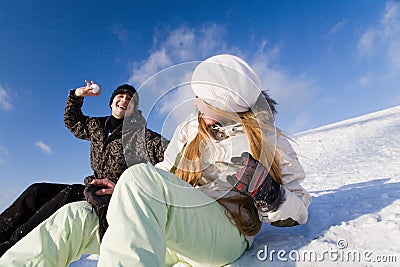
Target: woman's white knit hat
226 82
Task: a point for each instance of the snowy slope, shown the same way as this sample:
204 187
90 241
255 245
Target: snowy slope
353 174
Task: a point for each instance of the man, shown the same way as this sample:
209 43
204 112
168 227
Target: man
107 157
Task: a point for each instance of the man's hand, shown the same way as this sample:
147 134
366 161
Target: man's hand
98 193
86 90
106 187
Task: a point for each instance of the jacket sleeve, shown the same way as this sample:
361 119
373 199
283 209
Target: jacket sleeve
183 134
155 146
74 119
295 199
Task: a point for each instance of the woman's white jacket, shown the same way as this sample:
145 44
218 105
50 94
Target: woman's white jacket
216 165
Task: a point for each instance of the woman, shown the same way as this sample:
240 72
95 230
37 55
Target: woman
221 175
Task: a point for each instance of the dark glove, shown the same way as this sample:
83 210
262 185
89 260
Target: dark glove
88 179
253 179
97 201
99 204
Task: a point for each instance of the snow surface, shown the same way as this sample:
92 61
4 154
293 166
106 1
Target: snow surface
353 174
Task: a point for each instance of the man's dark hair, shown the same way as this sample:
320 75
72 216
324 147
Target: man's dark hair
126 89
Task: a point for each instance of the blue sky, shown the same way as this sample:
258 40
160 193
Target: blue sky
323 61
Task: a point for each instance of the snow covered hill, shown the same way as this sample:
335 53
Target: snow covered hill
353 175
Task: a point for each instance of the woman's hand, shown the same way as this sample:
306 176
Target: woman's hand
253 179
106 186
86 90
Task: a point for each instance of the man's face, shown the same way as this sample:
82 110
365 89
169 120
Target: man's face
120 104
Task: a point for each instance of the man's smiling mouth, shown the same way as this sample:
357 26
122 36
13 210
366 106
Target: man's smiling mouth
122 107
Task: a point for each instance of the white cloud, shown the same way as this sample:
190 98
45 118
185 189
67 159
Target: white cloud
390 21
383 40
365 80
379 52
338 27
180 45
366 43
44 147
300 123
177 105
5 103
293 91
393 53
155 62
121 33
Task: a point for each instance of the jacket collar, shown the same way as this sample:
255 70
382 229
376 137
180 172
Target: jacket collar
219 132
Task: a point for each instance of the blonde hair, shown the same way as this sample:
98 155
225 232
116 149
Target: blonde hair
261 149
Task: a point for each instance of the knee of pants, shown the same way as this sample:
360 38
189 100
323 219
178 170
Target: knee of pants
80 217
77 209
35 194
72 215
160 185
141 179
34 188
147 174
44 190
76 217
141 173
146 177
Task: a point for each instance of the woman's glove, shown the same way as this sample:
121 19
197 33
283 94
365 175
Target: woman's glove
253 180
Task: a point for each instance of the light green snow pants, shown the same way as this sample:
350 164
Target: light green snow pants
155 219
59 240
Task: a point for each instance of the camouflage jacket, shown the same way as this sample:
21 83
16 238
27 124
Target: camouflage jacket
110 152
